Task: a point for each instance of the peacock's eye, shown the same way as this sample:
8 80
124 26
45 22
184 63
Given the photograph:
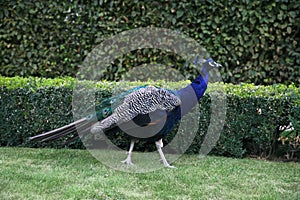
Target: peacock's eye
105 112
112 101
90 116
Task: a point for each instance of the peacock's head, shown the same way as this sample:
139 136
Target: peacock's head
207 63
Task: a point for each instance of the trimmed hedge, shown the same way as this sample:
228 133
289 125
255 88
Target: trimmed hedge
254 114
256 41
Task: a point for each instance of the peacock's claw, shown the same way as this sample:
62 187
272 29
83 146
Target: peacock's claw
167 164
127 161
170 166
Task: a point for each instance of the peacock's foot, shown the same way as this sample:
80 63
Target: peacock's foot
127 161
170 166
166 164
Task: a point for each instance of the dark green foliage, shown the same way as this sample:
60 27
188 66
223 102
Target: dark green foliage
26 112
256 41
290 138
254 113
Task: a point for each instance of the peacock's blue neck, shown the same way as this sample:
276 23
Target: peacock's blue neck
191 94
199 85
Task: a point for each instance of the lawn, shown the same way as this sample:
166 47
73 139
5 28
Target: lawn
75 174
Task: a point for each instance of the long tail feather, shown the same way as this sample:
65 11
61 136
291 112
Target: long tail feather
83 132
60 135
82 128
61 130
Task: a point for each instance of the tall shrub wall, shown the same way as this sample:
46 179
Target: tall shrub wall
253 116
256 41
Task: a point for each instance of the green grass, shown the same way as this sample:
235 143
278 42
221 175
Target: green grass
75 174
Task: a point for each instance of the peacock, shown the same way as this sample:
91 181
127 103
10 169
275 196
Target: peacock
157 109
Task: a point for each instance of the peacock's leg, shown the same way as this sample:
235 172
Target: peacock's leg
128 159
159 145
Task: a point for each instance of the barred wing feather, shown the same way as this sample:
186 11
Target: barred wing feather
141 102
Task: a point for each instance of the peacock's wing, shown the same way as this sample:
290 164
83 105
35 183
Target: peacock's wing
147 105
106 107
